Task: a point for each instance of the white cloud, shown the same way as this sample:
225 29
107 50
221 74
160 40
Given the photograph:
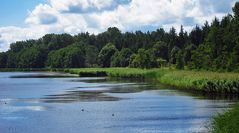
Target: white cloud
12 34
42 14
74 16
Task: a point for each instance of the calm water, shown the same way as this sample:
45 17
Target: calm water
73 105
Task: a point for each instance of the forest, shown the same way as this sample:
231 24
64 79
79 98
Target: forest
213 46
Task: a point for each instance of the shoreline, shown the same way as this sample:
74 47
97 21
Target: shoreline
204 81
211 82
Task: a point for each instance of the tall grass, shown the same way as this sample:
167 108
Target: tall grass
205 81
113 72
213 82
227 122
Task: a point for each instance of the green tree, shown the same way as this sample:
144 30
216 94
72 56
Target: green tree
188 53
116 60
180 60
161 50
55 42
172 40
31 58
122 58
236 9
233 62
196 36
69 57
20 45
91 54
3 60
182 38
201 58
106 54
12 59
143 59
173 54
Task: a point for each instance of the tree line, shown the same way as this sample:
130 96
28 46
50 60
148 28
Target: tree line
212 46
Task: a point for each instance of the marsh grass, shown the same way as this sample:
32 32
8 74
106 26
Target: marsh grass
227 122
201 80
213 82
113 72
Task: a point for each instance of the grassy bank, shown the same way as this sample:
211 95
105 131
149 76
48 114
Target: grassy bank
112 72
227 122
212 82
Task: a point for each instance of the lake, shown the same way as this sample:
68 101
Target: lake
73 105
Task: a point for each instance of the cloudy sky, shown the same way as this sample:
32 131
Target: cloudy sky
31 19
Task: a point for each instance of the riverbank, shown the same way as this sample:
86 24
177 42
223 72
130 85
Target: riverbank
211 82
227 122
205 81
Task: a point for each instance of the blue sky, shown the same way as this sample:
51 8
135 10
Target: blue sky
31 19
14 12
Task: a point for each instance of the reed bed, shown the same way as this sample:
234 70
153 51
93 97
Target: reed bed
213 82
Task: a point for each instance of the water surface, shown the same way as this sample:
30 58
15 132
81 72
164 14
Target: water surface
73 105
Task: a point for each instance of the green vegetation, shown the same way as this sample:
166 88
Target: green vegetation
70 56
112 72
227 122
205 81
179 60
213 47
211 82
122 58
106 54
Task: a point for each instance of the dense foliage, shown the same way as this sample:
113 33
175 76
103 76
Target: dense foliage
213 46
70 56
227 122
204 81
